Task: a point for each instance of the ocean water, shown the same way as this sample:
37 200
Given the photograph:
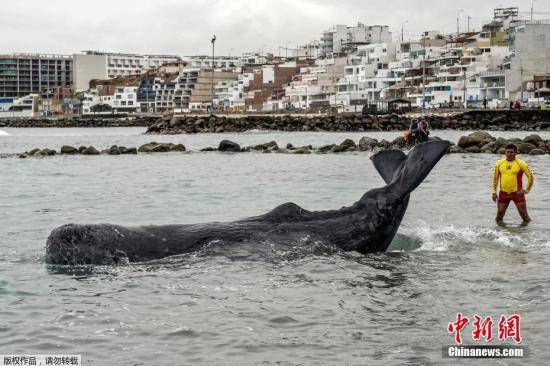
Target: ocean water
291 307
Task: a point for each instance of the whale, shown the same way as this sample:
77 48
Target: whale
367 226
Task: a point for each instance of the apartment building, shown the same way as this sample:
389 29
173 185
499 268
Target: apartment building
342 39
24 74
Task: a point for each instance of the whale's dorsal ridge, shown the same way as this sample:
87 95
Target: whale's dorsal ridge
286 212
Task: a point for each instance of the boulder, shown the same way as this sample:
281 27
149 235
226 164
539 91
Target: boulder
48 152
162 148
147 148
472 149
475 139
500 143
66 149
367 143
81 148
525 147
455 149
399 141
326 148
302 150
537 152
533 139
230 146
208 149
113 150
346 145
268 145
32 152
90 151
179 147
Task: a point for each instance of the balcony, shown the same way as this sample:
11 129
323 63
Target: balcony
492 73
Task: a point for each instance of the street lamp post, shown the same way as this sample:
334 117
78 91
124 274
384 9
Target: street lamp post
402 29
458 22
212 77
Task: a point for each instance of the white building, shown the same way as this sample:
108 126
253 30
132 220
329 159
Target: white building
91 65
341 38
26 106
205 62
124 100
531 49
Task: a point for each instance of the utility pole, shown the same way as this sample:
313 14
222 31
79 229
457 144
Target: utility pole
212 77
424 74
458 22
464 90
532 3
402 29
521 73
147 91
469 17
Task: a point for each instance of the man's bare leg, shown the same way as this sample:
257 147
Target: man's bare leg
501 211
522 209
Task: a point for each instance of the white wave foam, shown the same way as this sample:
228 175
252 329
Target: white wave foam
445 237
4 133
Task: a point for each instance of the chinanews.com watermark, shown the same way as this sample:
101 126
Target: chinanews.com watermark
40 360
508 329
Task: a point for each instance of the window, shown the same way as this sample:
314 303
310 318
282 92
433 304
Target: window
123 102
119 96
130 102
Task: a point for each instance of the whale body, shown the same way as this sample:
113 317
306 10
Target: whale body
367 226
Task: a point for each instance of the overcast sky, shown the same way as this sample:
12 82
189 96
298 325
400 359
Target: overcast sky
184 27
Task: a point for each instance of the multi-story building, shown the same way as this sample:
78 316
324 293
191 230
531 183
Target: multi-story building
24 74
205 62
195 88
342 39
120 99
531 52
164 96
91 65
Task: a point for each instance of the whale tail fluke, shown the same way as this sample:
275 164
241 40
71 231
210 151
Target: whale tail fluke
406 172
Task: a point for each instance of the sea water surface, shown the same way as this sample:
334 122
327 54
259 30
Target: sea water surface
290 307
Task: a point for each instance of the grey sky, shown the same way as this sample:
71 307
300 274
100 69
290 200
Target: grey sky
185 27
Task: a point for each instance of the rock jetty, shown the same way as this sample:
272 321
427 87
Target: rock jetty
79 121
496 120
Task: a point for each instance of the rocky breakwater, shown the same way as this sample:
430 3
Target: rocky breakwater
483 142
498 120
79 121
474 143
151 147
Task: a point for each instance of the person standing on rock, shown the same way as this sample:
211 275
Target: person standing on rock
485 103
413 136
423 131
509 171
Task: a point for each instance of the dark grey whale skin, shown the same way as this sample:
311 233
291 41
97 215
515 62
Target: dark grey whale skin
368 226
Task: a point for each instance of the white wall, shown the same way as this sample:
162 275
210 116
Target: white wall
86 68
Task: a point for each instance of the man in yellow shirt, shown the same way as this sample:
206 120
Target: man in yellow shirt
509 171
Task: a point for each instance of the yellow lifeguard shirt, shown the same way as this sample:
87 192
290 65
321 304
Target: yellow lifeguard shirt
511 176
